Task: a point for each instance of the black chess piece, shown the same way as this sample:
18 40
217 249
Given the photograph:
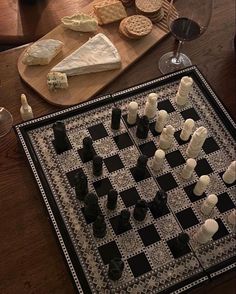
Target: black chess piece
99 227
142 127
88 151
140 210
181 244
97 165
91 208
115 270
140 168
81 185
159 202
124 223
115 118
61 141
112 199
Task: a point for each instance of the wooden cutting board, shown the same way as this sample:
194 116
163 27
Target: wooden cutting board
83 87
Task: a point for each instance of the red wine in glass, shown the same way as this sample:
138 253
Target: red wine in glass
185 29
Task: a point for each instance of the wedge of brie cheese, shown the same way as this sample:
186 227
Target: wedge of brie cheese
97 54
42 52
80 22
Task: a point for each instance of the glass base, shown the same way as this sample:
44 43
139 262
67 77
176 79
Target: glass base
6 121
168 62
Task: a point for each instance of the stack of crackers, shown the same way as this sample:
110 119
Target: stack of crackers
135 26
152 9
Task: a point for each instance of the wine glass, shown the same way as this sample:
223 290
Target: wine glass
6 121
187 20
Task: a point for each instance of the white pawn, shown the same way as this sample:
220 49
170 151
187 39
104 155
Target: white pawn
167 137
185 87
206 231
158 159
188 168
232 218
161 120
201 185
187 129
196 143
25 110
151 106
229 175
132 113
208 204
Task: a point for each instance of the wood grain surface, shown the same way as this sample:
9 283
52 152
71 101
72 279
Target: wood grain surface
31 260
82 87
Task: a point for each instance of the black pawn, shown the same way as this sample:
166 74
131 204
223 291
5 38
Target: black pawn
91 208
99 227
88 151
124 223
112 199
140 210
140 168
160 201
181 244
81 185
115 118
97 165
115 270
142 127
61 141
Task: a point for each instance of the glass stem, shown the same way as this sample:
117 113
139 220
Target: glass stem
177 52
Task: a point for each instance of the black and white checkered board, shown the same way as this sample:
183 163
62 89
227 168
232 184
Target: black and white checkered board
147 248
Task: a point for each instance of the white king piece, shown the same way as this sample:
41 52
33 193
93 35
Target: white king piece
196 143
185 87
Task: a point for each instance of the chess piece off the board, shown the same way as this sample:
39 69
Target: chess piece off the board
112 197
61 141
201 185
151 106
196 142
97 165
161 119
167 137
99 227
187 129
229 175
132 113
142 127
158 159
81 185
208 204
185 87
25 110
140 210
115 270
206 231
188 168
91 208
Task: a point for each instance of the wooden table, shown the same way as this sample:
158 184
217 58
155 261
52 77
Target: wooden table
31 260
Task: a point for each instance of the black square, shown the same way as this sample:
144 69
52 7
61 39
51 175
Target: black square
189 191
71 176
149 235
109 251
152 129
166 105
130 196
179 140
227 185
190 113
224 202
210 145
80 151
139 265
125 119
148 149
115 222
113 163
157 213
102 187
172 245
187 218
175 158
203 167
222 231
123 141
167 182
137 179
98 131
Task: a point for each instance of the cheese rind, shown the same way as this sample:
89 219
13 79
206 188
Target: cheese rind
57 80
42 52
97 54
80 22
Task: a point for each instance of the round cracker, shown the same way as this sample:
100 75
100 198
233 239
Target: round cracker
150 6
138 25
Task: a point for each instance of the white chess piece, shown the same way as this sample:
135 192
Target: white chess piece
229 175
25 110
151 106
232 218
201 185
167 137
185 87
187 129
188 168
196 142
161 119
158 159
208 204
206 231
132 113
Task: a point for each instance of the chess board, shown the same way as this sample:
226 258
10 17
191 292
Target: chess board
147 248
